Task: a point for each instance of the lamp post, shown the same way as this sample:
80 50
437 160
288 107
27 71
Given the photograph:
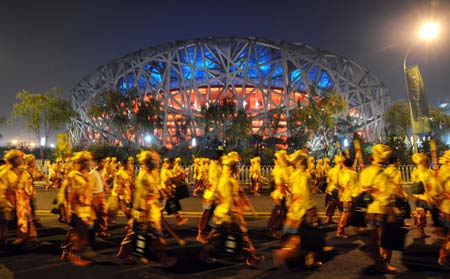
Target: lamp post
428 31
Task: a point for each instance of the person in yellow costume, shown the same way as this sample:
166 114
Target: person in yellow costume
36 175
431 198
168 186
255 176
312 172
444 179
99 191
214 173
202 176
57 173
401 197
302 212
81 214
146 211
349 188
130 171
332 190
228 214
15 191
120 197
374 180
197 176
280 173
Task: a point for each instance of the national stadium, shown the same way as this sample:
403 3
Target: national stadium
259 75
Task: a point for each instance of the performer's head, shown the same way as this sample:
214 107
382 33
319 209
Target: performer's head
82 160
149 159
231 162
14 157
380 153
420 159
298 159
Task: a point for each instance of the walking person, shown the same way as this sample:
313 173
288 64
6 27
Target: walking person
228 215
81 215
280 195
99 197
348 185
444 178
301 215
146 213
376 182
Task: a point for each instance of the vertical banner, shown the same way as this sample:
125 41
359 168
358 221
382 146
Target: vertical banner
419 105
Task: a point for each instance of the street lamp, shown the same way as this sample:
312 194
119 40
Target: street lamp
428 31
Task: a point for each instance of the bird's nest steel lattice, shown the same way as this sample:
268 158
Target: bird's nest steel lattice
257 74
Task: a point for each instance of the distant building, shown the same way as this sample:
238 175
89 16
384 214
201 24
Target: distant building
259 75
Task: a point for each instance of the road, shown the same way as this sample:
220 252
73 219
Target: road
349 259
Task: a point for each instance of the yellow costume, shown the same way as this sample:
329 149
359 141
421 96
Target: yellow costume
228 213
444 179
302 212
146 213
431 198
375 181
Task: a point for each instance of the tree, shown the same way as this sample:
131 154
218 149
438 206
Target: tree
315 118
43 114
113 114
397 120
149 116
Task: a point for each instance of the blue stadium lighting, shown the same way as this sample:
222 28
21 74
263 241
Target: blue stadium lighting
324 80
295 74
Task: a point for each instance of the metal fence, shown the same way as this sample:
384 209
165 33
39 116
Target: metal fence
266 171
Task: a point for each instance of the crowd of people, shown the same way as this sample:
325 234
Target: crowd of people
93 189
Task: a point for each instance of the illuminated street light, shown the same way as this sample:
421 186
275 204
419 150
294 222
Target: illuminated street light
428 31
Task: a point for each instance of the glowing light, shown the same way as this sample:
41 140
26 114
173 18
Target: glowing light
43 141
148 139
429 31
52 145
194 142
346 142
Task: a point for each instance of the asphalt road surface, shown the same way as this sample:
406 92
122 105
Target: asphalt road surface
349 259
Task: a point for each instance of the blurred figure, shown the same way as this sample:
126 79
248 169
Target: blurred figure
120 197
444 178
81 215
15 190
99 197
146 214
302 213
373 180
36 175
209 204
348 183
281 173
430 198
228 215
332 190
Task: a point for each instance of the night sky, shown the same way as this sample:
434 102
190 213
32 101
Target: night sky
45 44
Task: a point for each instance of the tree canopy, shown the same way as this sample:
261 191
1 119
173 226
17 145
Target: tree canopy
43 113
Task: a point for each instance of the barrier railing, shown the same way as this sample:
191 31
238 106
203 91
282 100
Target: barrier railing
266 171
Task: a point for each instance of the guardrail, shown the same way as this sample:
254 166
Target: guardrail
266 171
